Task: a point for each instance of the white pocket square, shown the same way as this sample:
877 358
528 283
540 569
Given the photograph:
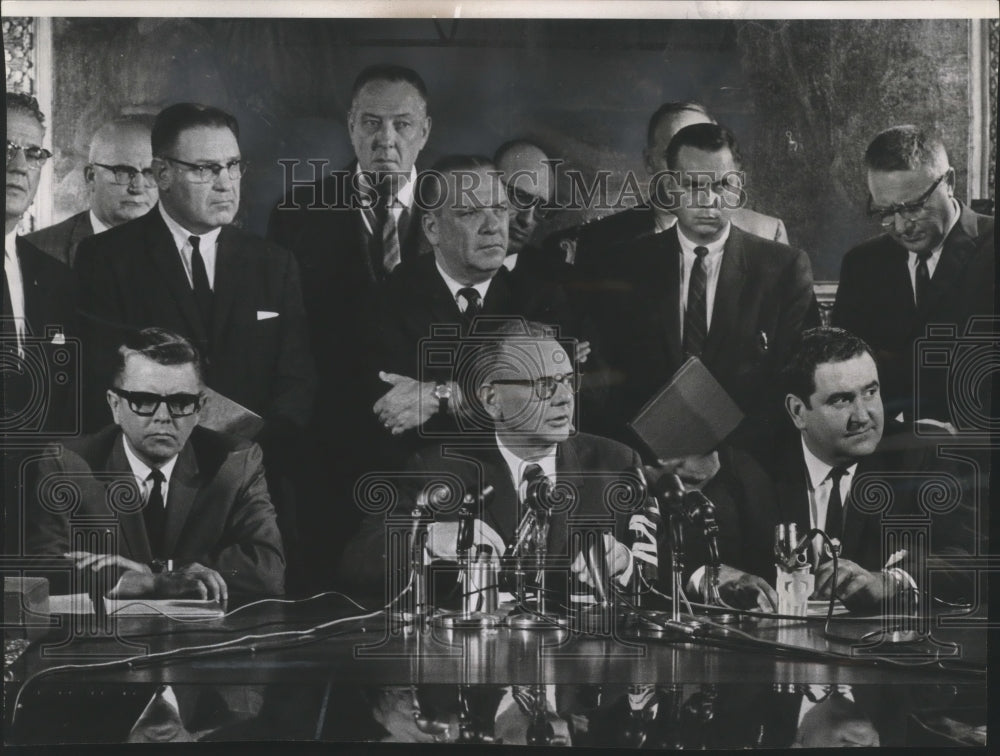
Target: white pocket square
59 339
266 314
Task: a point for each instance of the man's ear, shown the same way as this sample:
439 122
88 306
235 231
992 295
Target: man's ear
487 394
796 410
950 181
161 172
429 221
114 402
647 159
88 174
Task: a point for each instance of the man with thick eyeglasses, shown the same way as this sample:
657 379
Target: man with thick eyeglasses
530 182
525 386
191 510
120 186
933 264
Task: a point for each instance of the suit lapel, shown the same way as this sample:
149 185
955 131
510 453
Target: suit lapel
442 306
665 270
728 292
958 248
133 525
82 228
568 470
181 496
168 269
32 287
792 488
230 278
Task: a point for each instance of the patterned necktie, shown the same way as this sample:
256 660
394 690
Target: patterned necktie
155 514
923 278
199 277
385 230
835 506
473 303
696 314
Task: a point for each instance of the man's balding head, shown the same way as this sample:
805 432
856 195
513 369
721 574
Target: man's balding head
527 174
121 147
668 119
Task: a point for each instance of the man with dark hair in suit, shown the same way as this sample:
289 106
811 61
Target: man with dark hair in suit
933 265
206 523
599 236
39 319
843 460
120 183
702 288
526 385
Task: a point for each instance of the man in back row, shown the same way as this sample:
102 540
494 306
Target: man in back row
120 184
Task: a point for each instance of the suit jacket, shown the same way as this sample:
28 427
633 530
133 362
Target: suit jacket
258 354
763 300
61 240
588 464
875 301
887 487
51 349
218 514
598 236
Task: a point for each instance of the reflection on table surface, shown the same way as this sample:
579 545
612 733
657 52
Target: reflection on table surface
325 669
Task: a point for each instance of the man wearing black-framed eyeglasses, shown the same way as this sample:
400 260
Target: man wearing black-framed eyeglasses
932 265
120 186
194 517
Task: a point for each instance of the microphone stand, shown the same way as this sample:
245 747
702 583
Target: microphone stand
478 575
698 508
533 534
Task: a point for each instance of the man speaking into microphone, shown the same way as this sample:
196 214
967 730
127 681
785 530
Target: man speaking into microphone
525 387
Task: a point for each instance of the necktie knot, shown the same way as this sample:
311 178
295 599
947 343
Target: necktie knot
924 255
532 473
195 242
156 477
836 474
701 252
473 302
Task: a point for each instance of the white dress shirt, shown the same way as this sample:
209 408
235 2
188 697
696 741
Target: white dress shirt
206 247
15 283
97 224
453 286
820 488
912 260
400 201
141 472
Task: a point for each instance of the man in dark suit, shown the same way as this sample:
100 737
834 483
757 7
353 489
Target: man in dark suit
39 389
459 288
204 523
701 288
183 267
120 183
525 385
934 265
591 240
843 474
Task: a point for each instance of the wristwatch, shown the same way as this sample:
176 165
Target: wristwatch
443 393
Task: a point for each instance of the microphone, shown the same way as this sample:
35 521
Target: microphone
669 489
644 530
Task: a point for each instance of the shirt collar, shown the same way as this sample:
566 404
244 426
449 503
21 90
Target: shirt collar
10 244
510 261
181 234
818 470
97 224
663 220
715 249
405 194
140 469
454 286
517 464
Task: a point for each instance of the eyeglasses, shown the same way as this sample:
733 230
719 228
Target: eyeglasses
521 201
126 174
545 387
205 173
36 156
145 404
908 211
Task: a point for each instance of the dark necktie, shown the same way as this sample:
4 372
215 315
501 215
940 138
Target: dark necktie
696 314
923 278
155 514
202 291
835 506
385 231
473 303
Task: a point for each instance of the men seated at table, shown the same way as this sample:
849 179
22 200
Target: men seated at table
848 472
154 505
525 385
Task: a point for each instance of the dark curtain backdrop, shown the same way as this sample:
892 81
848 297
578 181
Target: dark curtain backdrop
804 97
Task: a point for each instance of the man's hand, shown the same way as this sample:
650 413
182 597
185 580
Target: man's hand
96 562
694 471
408 404
743 590
191 581
858 588
442 539
583 350
617 558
